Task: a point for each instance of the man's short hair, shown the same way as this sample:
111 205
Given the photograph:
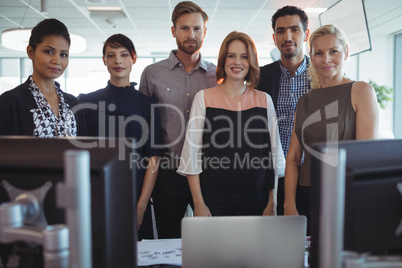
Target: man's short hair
187 7
290 10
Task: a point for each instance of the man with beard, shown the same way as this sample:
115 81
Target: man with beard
286 79
172 83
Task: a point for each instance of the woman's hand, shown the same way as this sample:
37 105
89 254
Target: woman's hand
201 210
140 214
290 210
269 211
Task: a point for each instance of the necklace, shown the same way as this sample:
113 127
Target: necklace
233 93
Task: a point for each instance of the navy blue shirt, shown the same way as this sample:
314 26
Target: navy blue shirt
124 112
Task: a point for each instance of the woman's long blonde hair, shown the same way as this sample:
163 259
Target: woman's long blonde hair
324 30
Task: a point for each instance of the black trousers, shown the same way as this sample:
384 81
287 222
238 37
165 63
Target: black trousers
171 196
303 203
222 203
280 197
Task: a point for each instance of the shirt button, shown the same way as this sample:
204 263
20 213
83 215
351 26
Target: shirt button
188 94
187 76
180 64
168 89
188 111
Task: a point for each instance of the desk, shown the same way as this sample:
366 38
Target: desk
162 251
166 253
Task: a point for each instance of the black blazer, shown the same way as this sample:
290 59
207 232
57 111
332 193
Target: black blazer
270 75
16 117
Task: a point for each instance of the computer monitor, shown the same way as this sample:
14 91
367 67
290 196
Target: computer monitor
28 163
350 16
373 197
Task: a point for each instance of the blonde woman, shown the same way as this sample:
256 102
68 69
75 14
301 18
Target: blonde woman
336 109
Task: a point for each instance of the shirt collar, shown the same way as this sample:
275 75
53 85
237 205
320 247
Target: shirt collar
132 85
302 67
299 70
174 61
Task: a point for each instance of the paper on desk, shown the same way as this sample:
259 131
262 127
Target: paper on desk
162 251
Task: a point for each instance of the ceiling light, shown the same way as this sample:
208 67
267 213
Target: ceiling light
315 10
78 43
104 9
98 2
17 39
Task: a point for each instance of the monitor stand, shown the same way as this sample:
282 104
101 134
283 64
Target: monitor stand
53 238
23 219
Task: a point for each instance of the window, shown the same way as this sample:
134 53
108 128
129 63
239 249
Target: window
9 74
83 75
398 87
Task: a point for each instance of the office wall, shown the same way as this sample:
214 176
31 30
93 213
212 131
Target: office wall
83 75
378 65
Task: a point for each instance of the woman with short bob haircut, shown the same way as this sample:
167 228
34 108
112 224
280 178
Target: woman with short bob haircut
141 122
229 123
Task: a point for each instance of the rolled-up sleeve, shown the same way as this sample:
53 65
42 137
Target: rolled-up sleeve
279 160
191 155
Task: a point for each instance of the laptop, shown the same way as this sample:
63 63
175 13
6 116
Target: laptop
244 241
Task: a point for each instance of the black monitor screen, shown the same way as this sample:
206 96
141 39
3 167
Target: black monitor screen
28 163
373 197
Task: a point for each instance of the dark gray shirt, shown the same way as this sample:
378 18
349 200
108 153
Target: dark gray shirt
173 90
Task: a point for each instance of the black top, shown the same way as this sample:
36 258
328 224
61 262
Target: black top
126 113
270 76
249 153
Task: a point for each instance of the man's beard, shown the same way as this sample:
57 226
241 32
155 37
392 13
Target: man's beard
291 55
189 49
